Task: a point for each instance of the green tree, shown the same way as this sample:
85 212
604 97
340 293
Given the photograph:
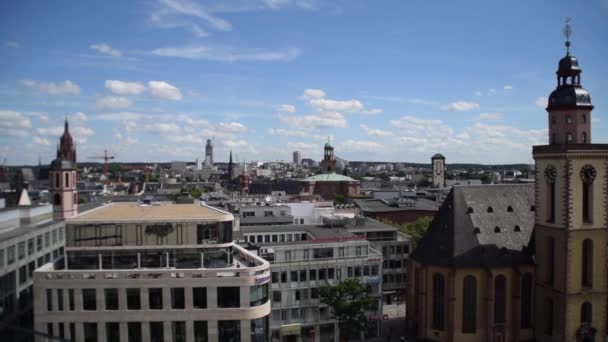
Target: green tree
196 193
339 199
414 229
348 301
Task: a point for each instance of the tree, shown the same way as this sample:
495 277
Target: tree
348 301
196 193
414 229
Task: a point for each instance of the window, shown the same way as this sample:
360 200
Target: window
47 239
67 180
49 300
312 275
568 137
276 296
322 274
21 250
30 246
587 263
54 236
258 295
111 299
22 274
157 332
177 298
584 135
586 312
112 332
303 275
283 277
500 299
178 331
323 253
49 329
228 297
61 330
568 119
39 242
587 174
134 332
155 298
330 273
548 315
133 299
550 262
71 305
200 331
469 305
553 120
287 255
526 301
314 293
275 277
10 255
90 332
438 302
305 254
259 330
89 300
294 276
229 331
60 299
584 118
199 297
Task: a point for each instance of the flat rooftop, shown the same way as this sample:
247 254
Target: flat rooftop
160 211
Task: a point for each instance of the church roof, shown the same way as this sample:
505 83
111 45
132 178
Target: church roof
481 226
329 177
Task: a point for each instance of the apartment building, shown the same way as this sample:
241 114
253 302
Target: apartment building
304 258
153 272
29 238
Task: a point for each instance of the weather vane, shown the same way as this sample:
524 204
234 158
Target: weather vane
567 33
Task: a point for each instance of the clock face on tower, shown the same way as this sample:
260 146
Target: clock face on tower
551 174
588 174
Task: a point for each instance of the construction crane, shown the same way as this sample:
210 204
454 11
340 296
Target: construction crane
105 158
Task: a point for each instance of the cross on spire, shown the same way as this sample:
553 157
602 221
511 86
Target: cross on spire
567 34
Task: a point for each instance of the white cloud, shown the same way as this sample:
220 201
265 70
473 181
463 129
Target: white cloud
162 128
376 132
478 93
287 132
460 106
278 4
286 108
490 116
491 92
79 132
360 146
312 94
193 122
507 87
164 90
78 117
541 102
187 139
227 54
54 131
106 49
190 9
314 121
63 88
12 44
41 141
113 102
120 116
14 123
124 88
336 105
232 127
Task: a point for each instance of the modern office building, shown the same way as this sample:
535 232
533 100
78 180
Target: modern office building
153 272
297 157
29 238
304 258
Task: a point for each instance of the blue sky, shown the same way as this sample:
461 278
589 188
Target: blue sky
386 80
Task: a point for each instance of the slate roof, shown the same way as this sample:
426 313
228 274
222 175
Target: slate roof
381 206
330 177
481 226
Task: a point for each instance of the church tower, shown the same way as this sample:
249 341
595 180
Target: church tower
571 228
328 165
62 178
438 166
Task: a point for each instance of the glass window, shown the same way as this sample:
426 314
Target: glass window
178 331
303 275
23 274
89 300
112 332
294 276
526 301
438 302
312 275
287 255
323 253
275 277
157 332
283 277
47 239
90 332
155 296
322 274
258 294
49 329
1 257
10 254
229 331
469 305
73 330
39 242
49 300
54 235
30 246
200 331
276 296
305 254
199 297
500 299
228 297
111 299
177 298
259 330
134 331
341 251
60 299
71 306
133 299
21 250
60 234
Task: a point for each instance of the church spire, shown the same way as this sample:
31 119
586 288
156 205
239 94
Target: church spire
567 33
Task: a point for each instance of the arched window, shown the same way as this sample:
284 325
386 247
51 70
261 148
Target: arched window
550 262
490 210
67 179
568 119
510 209
57 199
584 137
587 266
548 314
57 181
438 302
469 210
568 137
500 299
586 312
526 301
584 118
553 138
469 305
550 179
588 174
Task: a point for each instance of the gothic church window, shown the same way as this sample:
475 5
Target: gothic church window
550 262
550 178
500 299
587 263
438 302
526 301
586 312
548 313
469 305
588 174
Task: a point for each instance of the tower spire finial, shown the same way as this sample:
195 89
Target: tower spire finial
567 34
